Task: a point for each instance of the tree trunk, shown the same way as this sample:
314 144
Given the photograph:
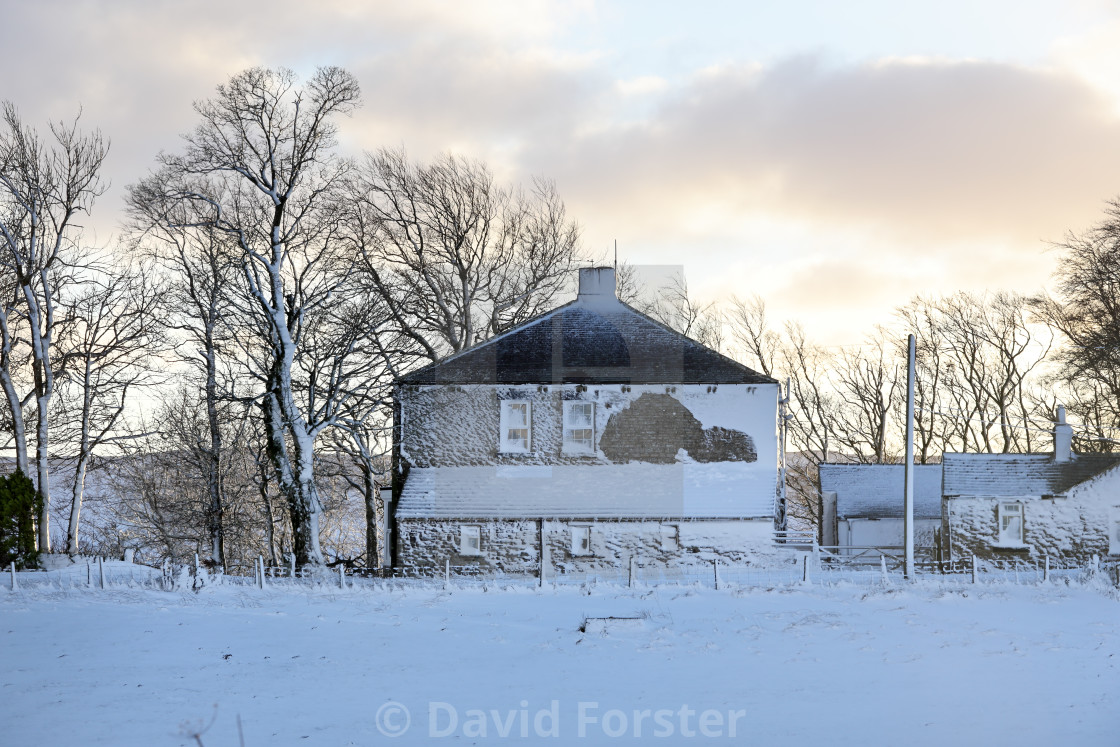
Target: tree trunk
295 480
375 512
18 423
76 503
214 459
44 475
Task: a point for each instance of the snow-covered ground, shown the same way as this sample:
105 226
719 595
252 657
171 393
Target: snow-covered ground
925 664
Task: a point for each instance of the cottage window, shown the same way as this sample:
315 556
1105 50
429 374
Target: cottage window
515 423
1010 525
470 540
579 427
581 540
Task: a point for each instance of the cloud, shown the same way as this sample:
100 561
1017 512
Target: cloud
476 77
910 150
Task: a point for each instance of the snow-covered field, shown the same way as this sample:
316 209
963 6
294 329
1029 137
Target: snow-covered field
926 664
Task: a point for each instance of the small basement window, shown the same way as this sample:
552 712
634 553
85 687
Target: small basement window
579 427
515 425
1010 525
581 540
470 539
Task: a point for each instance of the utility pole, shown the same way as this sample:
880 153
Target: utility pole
908 501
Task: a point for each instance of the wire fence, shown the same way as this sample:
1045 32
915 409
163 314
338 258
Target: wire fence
803 569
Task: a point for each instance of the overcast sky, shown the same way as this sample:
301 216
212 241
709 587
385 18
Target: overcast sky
835 158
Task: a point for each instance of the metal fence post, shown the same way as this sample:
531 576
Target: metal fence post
805 569
12 568
260 567
715 572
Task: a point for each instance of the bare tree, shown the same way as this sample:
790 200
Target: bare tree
202 264
1086 313
751 336
455 257
260 167
979 356
673 307
870 389
813 422
114 337
43 190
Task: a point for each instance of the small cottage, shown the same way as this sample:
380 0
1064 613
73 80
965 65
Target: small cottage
862 506
1005 506
580 439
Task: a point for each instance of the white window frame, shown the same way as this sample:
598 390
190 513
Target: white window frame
586 444
1008 512
581 540
470 539
509 420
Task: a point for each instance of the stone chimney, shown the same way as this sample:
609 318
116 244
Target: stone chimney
1063 437
596 284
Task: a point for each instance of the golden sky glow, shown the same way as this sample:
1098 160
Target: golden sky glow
836 158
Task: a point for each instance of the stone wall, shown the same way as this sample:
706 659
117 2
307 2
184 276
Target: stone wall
1070 529
513 545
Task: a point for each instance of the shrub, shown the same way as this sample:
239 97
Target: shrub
19 505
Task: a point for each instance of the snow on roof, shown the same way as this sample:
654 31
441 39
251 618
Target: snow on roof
1020 474
607 491
591 340
875 491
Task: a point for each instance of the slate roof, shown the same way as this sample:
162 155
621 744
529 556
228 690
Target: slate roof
875 491
1017 475
607 491
599 340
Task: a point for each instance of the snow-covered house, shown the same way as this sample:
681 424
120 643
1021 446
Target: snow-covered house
592 434
862 505
1063 505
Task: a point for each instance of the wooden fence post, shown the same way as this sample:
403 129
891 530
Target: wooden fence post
1046 568
715 571
883 566
341 576
101 571
292 564
12 568
805 568
630 580
260 568
447 573
973 569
